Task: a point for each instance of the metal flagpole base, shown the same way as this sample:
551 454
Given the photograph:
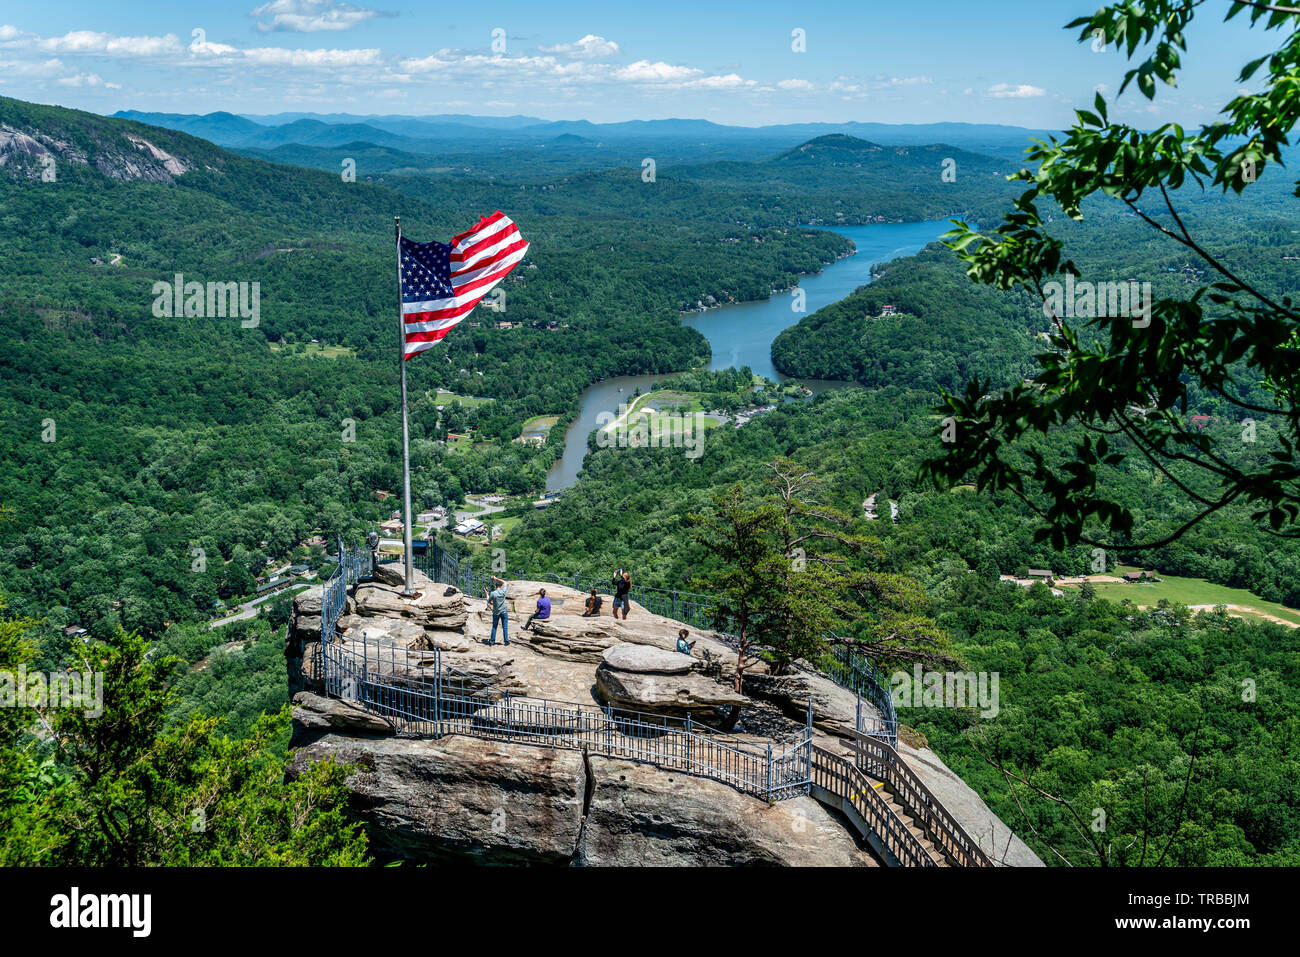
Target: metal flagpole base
410 594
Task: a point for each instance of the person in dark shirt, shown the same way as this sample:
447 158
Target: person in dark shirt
543 611
592 606
622 586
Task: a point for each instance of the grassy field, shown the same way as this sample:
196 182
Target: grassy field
462 443
1193 591
442 397
319 349
506 523
663 410
538 425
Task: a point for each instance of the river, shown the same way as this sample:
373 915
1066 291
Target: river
741 334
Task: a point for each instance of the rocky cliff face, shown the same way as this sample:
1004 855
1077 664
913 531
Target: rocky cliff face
460 798
44 146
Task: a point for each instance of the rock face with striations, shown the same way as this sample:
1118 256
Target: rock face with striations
467 799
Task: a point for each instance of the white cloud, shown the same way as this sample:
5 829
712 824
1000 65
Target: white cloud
643 71
320 59
311 16
32 68
727 81
589 47
88 79
1010 90
91 43
795 85
907 81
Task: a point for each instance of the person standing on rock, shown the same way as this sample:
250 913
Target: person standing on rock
497 604
543 611
622 586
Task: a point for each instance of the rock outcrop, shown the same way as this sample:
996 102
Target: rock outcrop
660 682
469 799
463 797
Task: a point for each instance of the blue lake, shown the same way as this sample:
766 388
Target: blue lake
741 334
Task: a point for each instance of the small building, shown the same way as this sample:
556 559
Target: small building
273 584
392 527
1044 573
470 526
299 569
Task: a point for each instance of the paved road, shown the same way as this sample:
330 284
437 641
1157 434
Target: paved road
249 608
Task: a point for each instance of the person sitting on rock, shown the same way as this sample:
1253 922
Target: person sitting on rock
592 607
683 646
543 611
497 603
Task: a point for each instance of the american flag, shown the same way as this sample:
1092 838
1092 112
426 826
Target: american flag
442 283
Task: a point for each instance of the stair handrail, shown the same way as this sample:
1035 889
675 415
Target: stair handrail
895 838
881 761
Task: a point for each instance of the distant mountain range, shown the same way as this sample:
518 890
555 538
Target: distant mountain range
454 132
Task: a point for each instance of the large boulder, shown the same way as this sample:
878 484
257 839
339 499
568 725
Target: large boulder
302 641
314 715
432 608
308 601
664 694
834 708
575 638
402 632
647 659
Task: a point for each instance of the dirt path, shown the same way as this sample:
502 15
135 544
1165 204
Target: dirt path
1245 611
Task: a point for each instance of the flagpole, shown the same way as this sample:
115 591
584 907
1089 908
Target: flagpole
409 589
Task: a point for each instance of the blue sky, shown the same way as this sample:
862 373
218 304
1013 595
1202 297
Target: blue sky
913 61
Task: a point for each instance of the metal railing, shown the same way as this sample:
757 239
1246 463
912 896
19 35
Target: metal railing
844 664
880 761
420 695
885 831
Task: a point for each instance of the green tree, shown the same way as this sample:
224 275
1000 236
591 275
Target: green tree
108 785
753 570
1127 380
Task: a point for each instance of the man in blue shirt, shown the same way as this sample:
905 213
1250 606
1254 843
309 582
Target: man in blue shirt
497 604
543 611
